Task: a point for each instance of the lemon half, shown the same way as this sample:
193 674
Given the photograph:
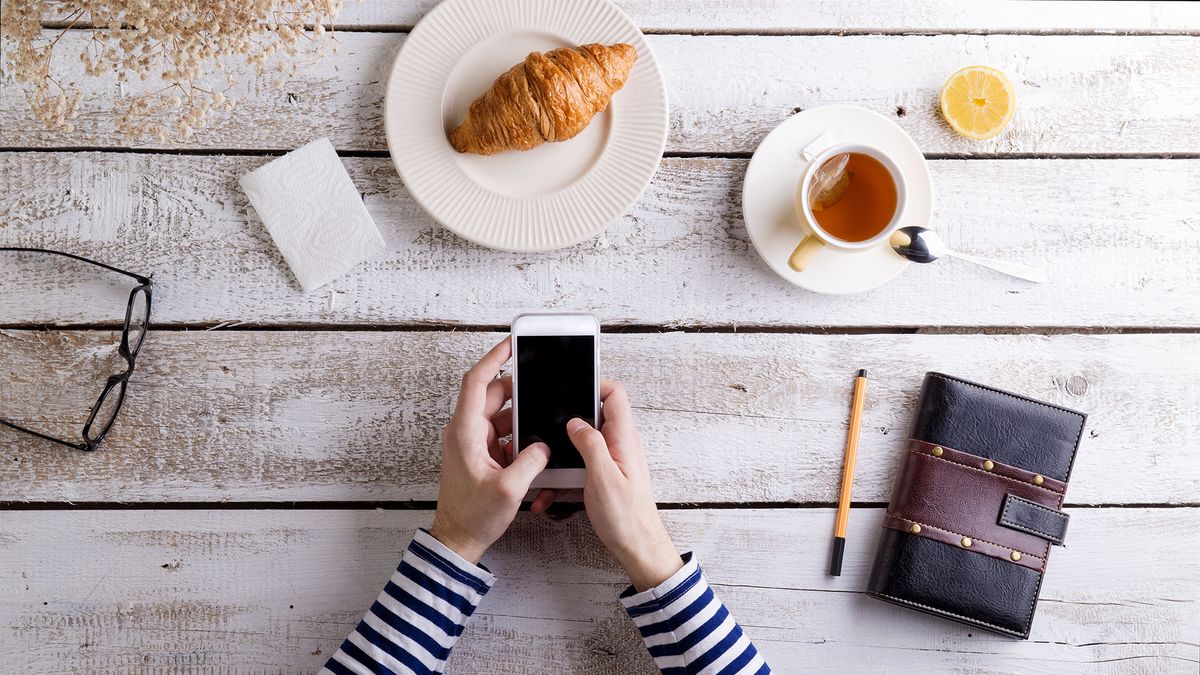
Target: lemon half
978 102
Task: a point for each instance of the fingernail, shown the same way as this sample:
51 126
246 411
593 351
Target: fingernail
575 425
539 446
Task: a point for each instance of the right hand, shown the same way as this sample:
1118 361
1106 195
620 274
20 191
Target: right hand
617 495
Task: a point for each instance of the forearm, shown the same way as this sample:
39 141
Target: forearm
688 630
418 617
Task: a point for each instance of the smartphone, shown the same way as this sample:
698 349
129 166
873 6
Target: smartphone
556 376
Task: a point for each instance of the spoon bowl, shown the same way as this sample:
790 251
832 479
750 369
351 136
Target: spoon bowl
918 244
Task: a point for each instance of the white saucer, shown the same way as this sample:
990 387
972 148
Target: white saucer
772 178
555 195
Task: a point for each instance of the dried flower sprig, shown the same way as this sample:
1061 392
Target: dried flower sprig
192 46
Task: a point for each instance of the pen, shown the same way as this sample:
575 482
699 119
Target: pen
843 512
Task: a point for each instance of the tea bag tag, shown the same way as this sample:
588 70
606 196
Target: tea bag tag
817 146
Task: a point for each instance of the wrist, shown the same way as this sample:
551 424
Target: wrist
651 565
464 546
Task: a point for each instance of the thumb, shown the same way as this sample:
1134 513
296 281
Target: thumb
590 443
527 465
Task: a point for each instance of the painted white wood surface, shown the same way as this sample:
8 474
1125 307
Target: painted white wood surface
1076 94
729 418
840 16
1118 238
157 591
281 416
912 16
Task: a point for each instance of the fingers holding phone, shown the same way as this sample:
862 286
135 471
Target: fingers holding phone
481 490
620 432
617 493
556 394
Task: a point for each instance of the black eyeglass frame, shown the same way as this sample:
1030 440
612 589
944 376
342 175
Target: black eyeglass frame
127 352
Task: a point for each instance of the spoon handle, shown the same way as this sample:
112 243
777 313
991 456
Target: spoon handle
1010 268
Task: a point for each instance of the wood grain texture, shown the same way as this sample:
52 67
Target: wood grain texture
272 591
838 16
1117 237
282 416
783 16
729 419
1076 94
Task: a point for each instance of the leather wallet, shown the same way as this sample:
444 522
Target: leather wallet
977 505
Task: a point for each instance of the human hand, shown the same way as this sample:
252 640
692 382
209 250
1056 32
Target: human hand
481 489
617 495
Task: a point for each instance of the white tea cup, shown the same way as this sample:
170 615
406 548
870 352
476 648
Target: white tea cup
816 237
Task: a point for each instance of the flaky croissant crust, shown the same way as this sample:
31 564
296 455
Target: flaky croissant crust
548 97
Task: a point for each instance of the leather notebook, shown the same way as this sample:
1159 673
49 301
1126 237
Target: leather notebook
977 505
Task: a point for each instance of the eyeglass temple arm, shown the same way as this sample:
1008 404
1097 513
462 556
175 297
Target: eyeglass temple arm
76 446
140 278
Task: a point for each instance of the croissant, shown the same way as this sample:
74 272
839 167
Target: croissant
546 98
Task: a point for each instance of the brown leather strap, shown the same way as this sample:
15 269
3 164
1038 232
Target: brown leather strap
952 495
928 531
1006 470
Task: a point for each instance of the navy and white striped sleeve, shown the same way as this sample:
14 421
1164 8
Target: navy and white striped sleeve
688 630
419 615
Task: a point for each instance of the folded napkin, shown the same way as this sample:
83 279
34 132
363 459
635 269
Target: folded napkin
314 213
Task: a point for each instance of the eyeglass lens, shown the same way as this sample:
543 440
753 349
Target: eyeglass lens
106 413
139 319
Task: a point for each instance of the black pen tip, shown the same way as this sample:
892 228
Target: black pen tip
862 372
835 561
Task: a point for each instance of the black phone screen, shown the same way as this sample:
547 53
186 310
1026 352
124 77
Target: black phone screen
555 381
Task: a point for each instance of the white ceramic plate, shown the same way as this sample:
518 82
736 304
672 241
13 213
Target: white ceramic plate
768 198
555 195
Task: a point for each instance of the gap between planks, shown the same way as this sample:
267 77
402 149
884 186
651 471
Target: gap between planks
406 28
560 510
618 329
669 154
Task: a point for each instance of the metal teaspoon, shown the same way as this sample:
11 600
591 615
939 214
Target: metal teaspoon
923 245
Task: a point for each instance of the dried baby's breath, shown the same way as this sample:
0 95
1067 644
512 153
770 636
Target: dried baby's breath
189 49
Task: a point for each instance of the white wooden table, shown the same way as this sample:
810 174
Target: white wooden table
277 450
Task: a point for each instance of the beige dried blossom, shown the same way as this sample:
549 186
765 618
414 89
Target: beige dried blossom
192 46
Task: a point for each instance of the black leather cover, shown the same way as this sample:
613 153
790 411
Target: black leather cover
1020 431
964 584
952 582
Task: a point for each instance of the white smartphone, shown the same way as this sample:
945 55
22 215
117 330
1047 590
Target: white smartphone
556 376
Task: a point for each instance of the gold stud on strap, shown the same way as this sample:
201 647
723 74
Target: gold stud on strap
966 542
1015 555
914 528
988 465
937 451
1038 480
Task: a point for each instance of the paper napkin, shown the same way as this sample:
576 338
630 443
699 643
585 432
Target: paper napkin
314 213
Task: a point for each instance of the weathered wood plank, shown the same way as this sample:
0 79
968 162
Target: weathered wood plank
1076 94
836 16
281 416
1117 237
782 16
144 591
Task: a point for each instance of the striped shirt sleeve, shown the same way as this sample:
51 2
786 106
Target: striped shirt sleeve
419 615
688 630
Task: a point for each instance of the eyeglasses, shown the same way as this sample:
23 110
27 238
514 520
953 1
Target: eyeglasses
137 323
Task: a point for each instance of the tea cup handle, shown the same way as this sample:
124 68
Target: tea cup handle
804 252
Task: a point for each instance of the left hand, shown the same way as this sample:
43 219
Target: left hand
481 490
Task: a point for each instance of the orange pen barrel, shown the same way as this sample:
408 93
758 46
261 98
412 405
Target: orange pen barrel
843 512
